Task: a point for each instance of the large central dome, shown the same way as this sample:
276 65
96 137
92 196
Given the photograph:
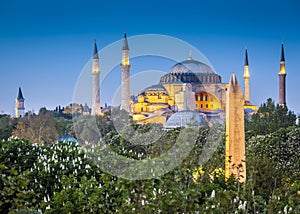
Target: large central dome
191 66
190 71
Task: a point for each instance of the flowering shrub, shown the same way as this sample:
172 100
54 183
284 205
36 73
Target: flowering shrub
59 178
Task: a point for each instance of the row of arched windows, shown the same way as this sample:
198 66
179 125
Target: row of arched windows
190 77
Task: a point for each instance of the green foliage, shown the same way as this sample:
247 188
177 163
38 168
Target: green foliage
264 176
7 125
282 147
86 129
18 154
60 178
39 128
83 196
269 118
14 190
63 126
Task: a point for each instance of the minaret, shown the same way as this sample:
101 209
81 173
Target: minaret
125 69
235 134
96 110
282 75
246 80
20 109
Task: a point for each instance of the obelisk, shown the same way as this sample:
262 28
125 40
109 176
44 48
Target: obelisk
235 134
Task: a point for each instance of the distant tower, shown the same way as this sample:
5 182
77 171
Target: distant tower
20 109
191 55
282 75
246 80
85 109
96 110
235 134
125 69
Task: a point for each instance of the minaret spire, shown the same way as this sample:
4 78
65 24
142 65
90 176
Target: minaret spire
95 56
246 80
282 53
282 76
20 95
20 109
125 43
125 76
246 58
191 55
96 109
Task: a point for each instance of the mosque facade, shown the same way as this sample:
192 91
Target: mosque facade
190 85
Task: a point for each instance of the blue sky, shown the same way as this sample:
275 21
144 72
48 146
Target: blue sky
44 45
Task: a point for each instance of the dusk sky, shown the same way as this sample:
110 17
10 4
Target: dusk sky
44 45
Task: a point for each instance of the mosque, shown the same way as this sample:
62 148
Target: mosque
190 93
189 86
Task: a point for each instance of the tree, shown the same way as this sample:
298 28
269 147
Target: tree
86 129
281 147
38 129
269 118
14 190
59 178
63 126
7 124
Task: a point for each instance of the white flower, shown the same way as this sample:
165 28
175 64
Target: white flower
213 194
242 206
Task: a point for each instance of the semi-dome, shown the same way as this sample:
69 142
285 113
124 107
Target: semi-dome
67 138
186 119
157 87
191 66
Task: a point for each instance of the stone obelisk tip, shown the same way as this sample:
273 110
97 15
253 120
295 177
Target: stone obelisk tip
234 85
